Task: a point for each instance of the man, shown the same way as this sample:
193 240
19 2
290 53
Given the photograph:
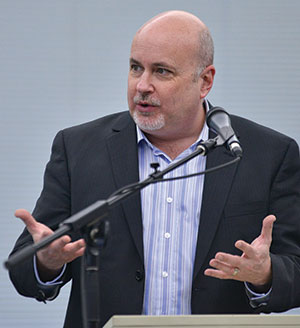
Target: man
199 245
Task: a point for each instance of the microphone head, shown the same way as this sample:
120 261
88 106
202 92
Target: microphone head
219 120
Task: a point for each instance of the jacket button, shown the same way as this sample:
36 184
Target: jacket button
41 297
139 275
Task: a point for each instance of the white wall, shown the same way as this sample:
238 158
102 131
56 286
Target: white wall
64 62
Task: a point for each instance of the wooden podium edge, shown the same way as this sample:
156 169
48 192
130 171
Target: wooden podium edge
203 321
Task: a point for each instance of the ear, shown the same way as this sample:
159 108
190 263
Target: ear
207 80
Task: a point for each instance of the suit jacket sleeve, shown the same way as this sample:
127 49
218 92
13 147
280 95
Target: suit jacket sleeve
285 248
53 206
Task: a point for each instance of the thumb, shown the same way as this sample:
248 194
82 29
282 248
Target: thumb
267 228
28 219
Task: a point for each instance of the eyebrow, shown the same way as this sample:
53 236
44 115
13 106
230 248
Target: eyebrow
158 64
133 61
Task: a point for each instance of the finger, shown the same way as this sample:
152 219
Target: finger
218 265
76 254
28 219
72 250
220 274
60 251
75 246
267 228
223 269
228 259
65 249
247 249
55 249
61 242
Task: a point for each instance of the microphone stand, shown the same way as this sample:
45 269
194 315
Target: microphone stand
94 226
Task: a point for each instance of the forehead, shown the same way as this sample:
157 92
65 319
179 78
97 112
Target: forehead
163 46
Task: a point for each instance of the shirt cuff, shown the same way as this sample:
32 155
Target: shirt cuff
54 282
257 299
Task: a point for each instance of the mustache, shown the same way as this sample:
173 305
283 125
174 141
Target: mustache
146 99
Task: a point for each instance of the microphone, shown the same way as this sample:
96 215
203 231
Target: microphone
219 120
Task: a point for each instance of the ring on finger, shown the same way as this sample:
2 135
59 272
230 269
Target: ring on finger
235 271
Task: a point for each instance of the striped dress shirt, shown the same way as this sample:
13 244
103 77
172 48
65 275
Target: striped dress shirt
171 212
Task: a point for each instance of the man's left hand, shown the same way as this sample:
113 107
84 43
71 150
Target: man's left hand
253 266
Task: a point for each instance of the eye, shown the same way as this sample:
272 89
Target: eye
135 68
163 71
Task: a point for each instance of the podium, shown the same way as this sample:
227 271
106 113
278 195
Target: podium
204 321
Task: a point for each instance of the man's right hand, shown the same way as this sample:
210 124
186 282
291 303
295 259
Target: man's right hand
52 258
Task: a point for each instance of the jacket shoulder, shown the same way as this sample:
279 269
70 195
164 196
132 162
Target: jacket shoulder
252 132
78 139
103 125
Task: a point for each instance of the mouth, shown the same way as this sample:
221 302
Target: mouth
146 104
143 104
145 107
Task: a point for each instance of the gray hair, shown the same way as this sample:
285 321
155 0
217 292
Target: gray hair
205 52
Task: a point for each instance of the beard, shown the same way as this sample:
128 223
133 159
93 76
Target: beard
145 120
148 121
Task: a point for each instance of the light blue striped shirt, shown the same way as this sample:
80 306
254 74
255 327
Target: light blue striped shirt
171 212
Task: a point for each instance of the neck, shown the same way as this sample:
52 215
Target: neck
173 146
173 140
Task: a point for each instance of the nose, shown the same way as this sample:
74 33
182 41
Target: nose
144 84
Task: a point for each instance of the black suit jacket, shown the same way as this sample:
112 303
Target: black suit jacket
91 161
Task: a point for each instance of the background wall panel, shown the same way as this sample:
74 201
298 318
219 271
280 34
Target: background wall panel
65 62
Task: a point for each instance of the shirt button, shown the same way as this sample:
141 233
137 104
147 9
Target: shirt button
139 275
169 199
167 235
165 274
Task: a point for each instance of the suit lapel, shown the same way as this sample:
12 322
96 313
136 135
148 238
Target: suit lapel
215 192
122 149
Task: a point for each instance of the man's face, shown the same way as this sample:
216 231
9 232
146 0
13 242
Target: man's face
164 94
